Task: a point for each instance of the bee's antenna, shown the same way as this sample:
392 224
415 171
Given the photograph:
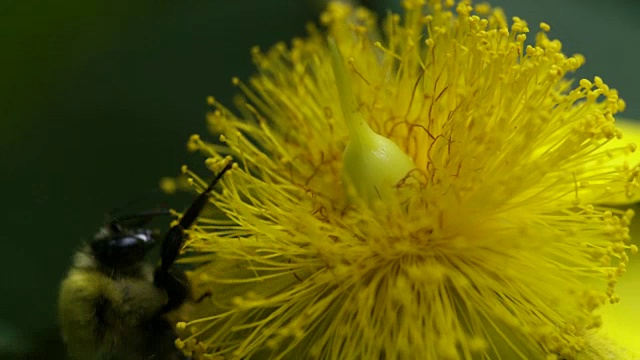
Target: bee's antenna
120 211
176 286
196 207
141 218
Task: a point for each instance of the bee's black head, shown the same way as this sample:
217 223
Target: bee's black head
117 247
124 240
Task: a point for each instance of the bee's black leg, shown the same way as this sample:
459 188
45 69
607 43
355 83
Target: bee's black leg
165 277
160 340
202 297
175 283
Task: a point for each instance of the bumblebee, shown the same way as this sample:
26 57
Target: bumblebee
113 304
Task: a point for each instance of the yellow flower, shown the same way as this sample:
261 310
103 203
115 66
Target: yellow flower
617 337
436 195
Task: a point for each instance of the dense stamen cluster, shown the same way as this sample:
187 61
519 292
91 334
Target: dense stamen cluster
493 242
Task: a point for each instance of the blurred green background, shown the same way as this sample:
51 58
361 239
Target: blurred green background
97 99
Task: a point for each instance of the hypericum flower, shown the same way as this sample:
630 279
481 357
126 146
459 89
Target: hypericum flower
434 195
617 337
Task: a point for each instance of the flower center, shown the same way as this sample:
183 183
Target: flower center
372 164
